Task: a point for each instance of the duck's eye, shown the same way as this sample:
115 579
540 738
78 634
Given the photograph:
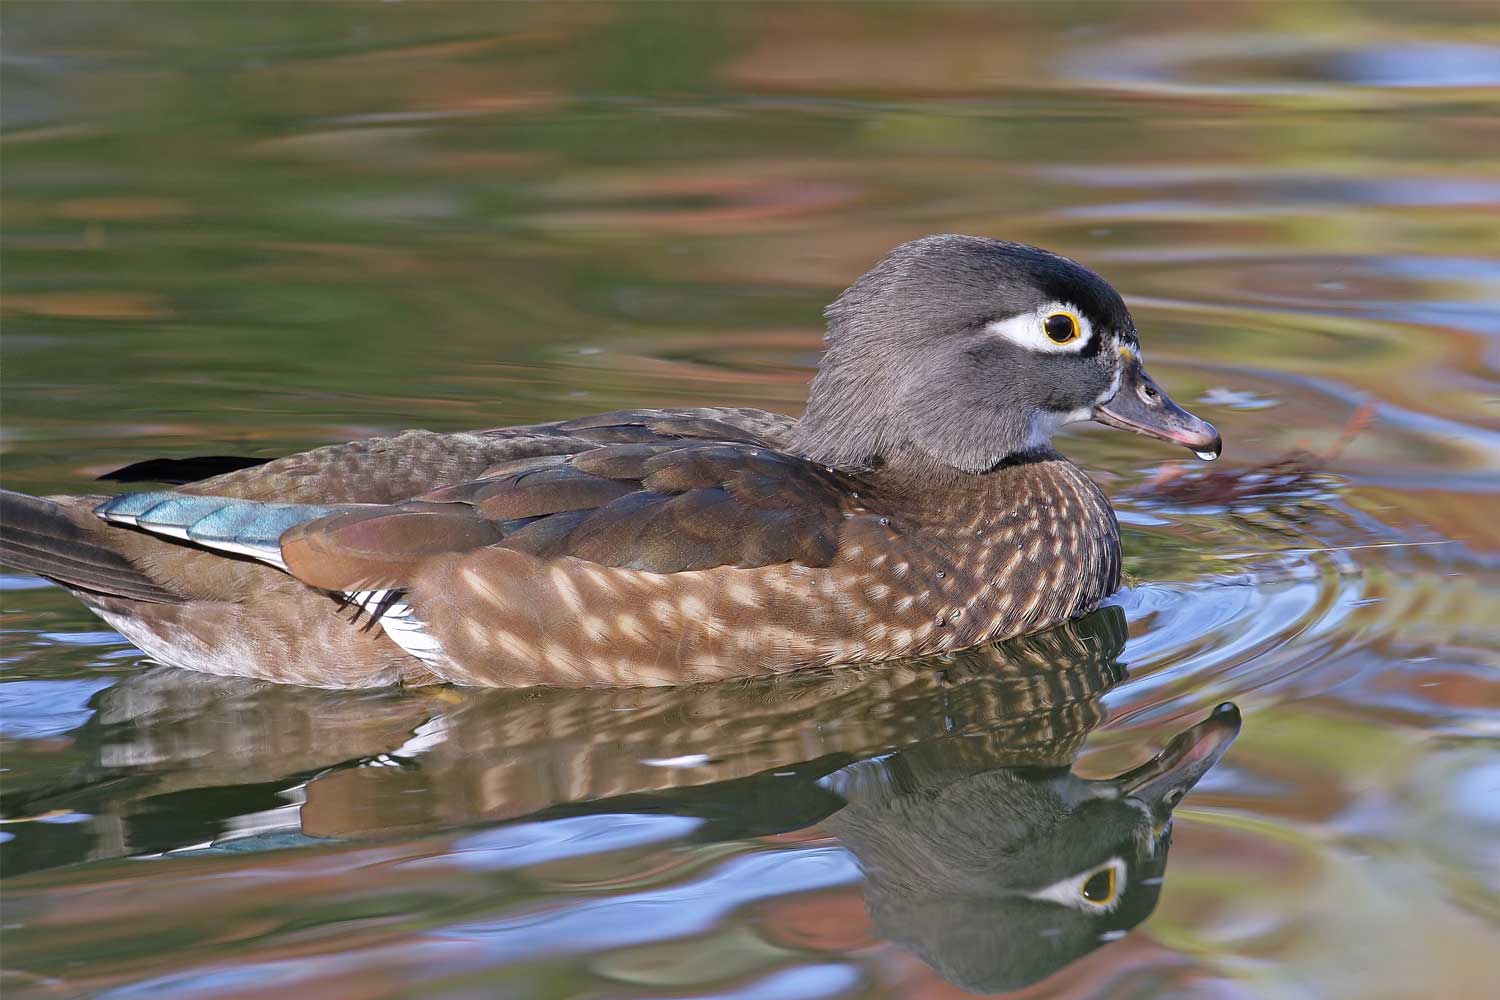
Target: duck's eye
1061 327
1099 888
1092 890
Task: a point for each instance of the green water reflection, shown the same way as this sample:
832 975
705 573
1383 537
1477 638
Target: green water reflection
257 228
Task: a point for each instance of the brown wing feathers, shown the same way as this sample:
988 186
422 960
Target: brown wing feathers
661 491
376 548
658 505
549 490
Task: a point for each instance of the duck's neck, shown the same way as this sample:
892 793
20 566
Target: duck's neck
930 491
857 412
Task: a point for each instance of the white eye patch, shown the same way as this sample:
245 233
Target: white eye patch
1031 329
1096 890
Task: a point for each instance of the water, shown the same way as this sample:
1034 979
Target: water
231 232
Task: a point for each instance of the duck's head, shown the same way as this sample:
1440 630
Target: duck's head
965 351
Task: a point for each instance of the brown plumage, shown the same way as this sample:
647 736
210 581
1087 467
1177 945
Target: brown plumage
657 546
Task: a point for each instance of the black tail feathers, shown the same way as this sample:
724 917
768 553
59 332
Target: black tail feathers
176 471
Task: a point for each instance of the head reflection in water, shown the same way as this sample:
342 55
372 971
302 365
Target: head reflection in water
1001 877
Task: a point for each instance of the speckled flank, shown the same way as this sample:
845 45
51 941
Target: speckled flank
1038 546
311 645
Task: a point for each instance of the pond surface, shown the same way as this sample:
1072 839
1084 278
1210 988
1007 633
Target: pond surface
253 230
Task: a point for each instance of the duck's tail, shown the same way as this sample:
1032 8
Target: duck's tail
66 543
179 471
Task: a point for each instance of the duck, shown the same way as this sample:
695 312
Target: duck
917 507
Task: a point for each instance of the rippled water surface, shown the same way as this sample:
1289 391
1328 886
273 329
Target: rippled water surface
253 229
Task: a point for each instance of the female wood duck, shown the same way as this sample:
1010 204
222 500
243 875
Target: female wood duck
917 507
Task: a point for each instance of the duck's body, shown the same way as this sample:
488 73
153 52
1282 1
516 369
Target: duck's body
645 547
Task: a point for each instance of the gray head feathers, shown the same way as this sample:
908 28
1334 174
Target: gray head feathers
914 373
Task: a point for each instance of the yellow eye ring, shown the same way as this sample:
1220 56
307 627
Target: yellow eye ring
1099 888
1061 327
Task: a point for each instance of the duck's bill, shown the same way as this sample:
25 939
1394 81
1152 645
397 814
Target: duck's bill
1163 780
1142 407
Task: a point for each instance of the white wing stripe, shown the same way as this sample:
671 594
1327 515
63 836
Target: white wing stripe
402 625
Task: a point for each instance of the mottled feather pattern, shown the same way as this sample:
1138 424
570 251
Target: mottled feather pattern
660 547
664 505
821 578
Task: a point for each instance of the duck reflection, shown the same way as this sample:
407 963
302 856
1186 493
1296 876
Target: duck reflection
948 779
1000 876
370 763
